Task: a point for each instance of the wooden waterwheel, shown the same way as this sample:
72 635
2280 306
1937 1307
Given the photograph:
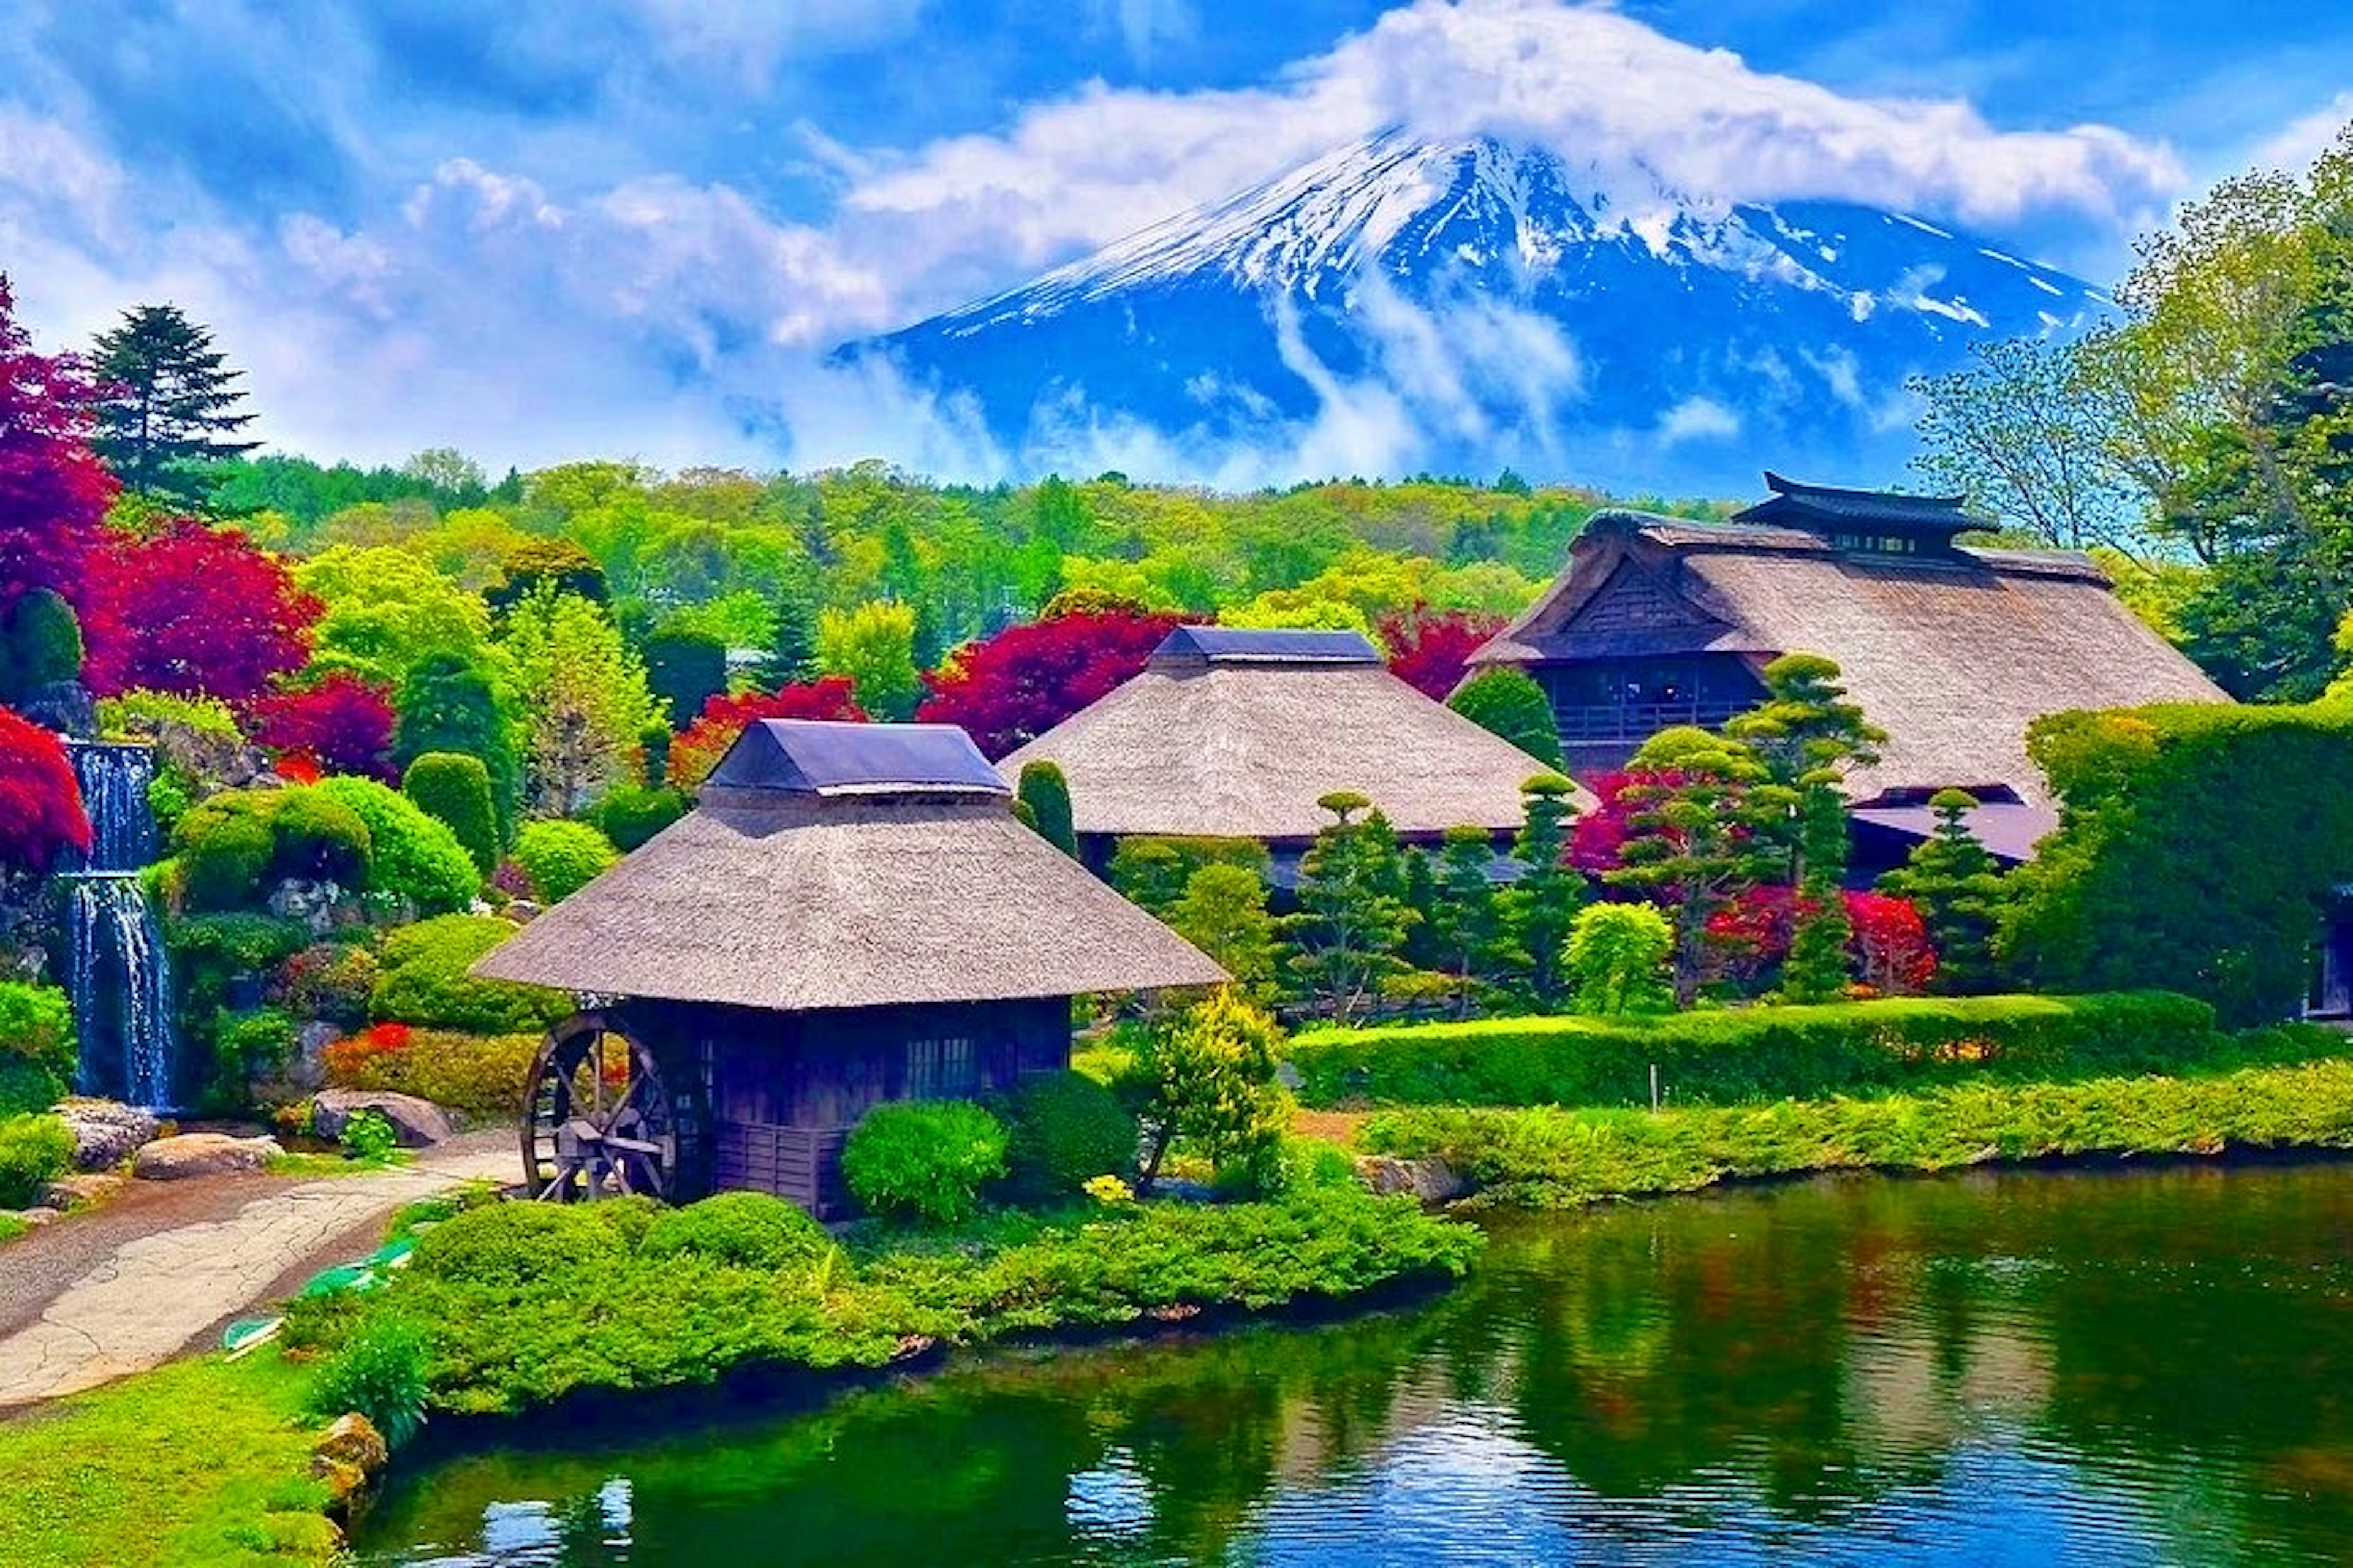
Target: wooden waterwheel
603 1119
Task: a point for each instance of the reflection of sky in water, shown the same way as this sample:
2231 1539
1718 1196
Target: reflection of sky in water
532 1534
1113 1498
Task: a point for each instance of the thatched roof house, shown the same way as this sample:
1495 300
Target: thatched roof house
1236 734
1953 650
852 914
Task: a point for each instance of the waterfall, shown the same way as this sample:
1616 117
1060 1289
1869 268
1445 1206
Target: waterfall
117 971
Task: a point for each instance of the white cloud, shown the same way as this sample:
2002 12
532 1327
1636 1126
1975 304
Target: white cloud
1697 419
2295 145
1144 24
748 38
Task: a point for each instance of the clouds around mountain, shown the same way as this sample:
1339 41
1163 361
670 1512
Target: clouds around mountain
634 225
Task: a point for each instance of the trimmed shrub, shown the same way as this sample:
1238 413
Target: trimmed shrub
37 1027
629 815
455 791
925 1158
562 857
1762 1053
507 1246
1508 703
33 1150
744 1230
40 644
424 981
380 1374
232 846
418 857
1047 792
1062 1128
479 1075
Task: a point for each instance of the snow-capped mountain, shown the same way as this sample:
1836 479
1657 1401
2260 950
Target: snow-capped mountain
1457 306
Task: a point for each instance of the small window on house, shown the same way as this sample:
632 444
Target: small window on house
943 1069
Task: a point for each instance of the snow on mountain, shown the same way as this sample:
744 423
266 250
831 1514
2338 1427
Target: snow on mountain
1457 306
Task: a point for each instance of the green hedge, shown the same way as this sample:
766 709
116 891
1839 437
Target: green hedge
1771 1053
415 856
423 981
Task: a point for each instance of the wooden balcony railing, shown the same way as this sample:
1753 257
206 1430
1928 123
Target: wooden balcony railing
1640 721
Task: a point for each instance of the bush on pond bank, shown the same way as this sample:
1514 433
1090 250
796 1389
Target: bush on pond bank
523 1304
1548 1157
1773 1053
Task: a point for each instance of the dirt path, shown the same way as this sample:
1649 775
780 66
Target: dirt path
104 1295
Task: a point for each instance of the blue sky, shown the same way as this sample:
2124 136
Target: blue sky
635 226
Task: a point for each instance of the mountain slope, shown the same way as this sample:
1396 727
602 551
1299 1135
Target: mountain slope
1407 304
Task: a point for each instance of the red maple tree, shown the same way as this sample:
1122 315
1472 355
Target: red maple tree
1429 650
40 801
698 750
342 723
1890 944
193 610
1011 689
53 491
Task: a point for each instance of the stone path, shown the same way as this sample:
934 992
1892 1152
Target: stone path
142 1283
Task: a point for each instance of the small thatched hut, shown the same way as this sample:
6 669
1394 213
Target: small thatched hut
1953 650
851 915
1233 733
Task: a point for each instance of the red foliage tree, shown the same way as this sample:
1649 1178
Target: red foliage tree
1890 944
1597 836
698 748
1020 683
194 610
1429 649
53 491
40 801
343 724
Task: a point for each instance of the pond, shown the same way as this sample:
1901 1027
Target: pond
2014 1368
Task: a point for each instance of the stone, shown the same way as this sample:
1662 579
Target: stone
523 911
1432 1181
418 1122
34 1217
202 1154
311 902
306 1069
65 706
353 1440
106 1131
344 1482
80 1192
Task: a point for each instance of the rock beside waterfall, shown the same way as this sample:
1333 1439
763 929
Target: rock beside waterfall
418 1122
202 1154
106 1131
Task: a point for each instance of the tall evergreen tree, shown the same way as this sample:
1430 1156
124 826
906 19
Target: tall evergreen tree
1475 943
1353 916
1696 836
1544 902
1959 892
170 403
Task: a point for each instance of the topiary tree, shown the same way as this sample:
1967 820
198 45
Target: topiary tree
1508 703
40 644
1223 912
416 858
449 703
1151 871
562 857
1063 1130
456 790
1959 891
1047 795
1206 1075
1621 958
1546 898
1468 930
925 1159
1353 917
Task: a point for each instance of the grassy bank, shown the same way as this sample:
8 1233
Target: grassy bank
1549 1157
1735 1054
200 1463
520 1305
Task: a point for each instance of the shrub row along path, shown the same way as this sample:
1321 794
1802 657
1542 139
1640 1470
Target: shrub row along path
164 1265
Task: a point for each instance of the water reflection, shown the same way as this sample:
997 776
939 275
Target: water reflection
2026 1369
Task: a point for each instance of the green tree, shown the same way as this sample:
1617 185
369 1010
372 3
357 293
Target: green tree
1475 942
1206 1075
1047 792
792 645
1959 891
456 790
685 668
1353 917
1223 912
384 608
1545 900
558 565
1621 958
583 697
449 703
1702 809
169 406
40 645
874 646
1507 702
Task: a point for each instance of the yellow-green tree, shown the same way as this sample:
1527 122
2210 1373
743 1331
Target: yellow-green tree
874 646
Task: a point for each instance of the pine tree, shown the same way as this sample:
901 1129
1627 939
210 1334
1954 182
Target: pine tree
1541 906
169 403
1353 917
1696 835
1959 892
1470 934
1047 792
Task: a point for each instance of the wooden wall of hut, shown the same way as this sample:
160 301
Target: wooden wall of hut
785 1089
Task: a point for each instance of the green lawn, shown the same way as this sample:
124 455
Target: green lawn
199 1464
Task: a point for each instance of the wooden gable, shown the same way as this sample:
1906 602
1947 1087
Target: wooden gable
1632 599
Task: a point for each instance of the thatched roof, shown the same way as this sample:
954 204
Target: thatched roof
1952 653
849 866
1235 735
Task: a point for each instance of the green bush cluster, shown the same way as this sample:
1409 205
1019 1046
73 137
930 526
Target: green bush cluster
1509 703
925 1158
416 858
234 847
423 981
247 1047
380 1375
562 857
1763 1053
629 815
325 980
38 1055
455 790
1063 1129
526 1303
1551 1157
33 1150
40 644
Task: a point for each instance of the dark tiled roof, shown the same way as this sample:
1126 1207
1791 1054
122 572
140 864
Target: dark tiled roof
820 757
1244 645
1804 504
